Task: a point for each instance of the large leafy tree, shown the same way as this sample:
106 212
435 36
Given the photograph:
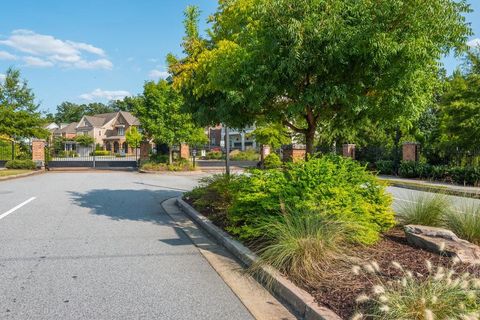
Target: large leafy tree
68 112
162 118
310 63
460 108
19 116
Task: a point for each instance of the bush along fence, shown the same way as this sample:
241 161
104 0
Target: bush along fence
412 165
13 150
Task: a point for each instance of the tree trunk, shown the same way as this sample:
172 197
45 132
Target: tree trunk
170 155
310 139
397 156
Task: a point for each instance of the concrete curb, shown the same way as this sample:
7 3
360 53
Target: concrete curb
22 175
300 301
429 188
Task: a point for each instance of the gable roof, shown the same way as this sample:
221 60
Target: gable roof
99 120
70 128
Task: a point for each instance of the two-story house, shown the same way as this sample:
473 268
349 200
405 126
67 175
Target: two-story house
108 130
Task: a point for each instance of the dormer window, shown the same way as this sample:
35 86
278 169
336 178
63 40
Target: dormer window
121 131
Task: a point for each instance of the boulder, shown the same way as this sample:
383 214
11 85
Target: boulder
442 241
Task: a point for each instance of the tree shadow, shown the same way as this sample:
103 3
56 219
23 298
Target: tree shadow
136 205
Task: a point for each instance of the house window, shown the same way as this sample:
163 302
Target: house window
99 132
121 131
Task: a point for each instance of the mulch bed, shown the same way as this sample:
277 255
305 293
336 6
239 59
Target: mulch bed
339 289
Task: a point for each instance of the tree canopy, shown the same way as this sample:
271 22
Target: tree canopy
317 62
19 115
162 119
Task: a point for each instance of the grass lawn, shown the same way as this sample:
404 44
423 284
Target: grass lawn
12 172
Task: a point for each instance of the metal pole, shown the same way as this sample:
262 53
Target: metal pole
13 149
227 146
94 152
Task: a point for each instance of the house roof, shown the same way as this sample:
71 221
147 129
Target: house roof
70 128
99 120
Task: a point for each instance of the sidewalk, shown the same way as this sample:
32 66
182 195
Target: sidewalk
439 187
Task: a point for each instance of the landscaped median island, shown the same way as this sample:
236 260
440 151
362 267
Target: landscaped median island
327 224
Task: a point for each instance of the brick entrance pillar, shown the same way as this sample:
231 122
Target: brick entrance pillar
184 151
145 148
349 151
411 151
294 153
38 152
264 152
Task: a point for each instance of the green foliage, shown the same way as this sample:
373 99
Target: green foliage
248 155
159 158
317 64
214 194
68 112
466 223
441 294
426 210
100 153
67 154
274 135
335 185
304 245
84 140
133 137
385 167
214 155
179 165
272 161
460 108
19 116
162 118
20 164
466 175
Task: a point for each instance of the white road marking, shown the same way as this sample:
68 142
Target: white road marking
3 215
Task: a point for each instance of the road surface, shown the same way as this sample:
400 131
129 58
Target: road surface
99 246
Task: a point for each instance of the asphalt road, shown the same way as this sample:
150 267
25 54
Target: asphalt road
99 246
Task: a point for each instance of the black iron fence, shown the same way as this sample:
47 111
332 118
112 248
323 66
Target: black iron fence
72 154
13 150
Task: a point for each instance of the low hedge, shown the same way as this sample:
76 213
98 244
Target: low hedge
20 164
214 155
468 175
100 153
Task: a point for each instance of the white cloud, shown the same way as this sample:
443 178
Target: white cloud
37 62
66 54
474 43
2 77
105 94
4 55
158 74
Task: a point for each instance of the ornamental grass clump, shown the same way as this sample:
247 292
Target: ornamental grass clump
440 294
465 223
426 210
305 245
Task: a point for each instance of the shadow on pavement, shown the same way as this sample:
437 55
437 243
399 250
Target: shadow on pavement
136 205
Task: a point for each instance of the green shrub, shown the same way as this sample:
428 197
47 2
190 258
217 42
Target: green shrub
214 155
100 153
215 195
441 294
272 161
465 175
332 184
466 223
248 155
20 164
180 165
67 154
303 245
385 167
426 210
159 158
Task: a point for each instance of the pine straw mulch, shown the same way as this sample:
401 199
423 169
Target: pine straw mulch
339 286
339 291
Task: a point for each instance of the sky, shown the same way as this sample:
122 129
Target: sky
98 50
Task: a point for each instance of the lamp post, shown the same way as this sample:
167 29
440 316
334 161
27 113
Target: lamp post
227 149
